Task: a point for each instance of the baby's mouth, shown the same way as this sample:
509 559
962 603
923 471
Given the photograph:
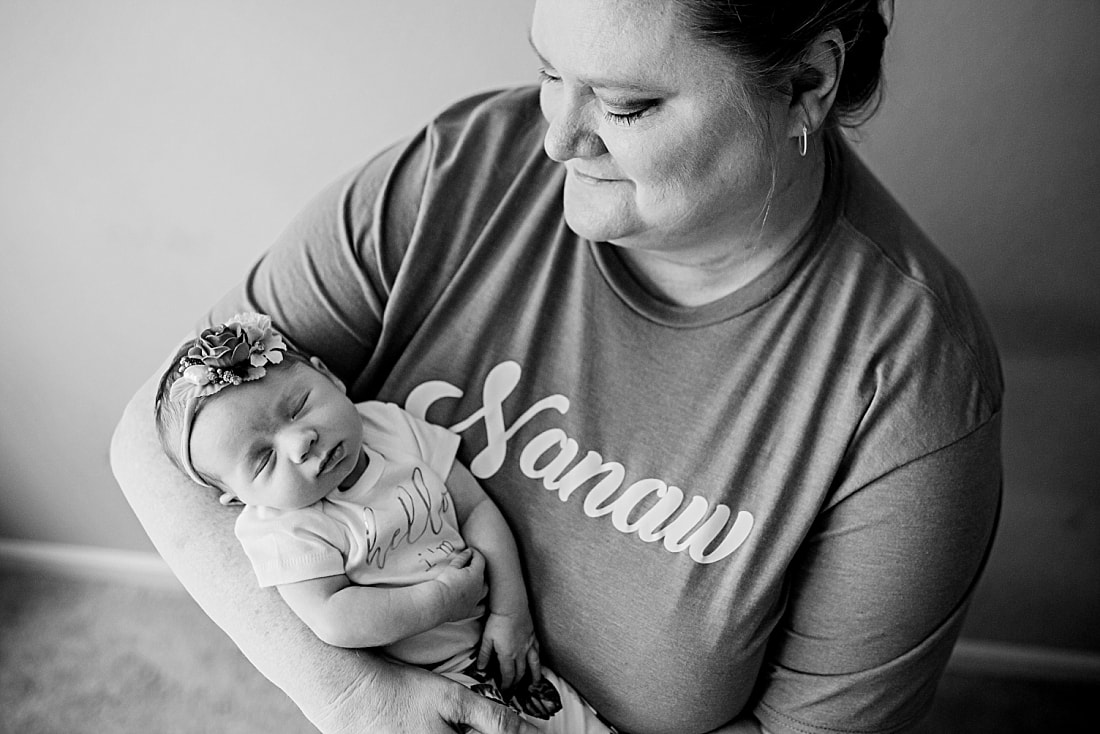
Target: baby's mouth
332 458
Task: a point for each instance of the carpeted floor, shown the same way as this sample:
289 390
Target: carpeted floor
80 656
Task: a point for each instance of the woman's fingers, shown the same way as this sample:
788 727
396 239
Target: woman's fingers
479 714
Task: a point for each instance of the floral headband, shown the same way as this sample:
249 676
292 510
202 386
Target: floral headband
228 354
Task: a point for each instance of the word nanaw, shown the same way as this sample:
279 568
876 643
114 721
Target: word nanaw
549 457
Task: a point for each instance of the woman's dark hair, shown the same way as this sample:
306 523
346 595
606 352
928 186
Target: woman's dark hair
770 38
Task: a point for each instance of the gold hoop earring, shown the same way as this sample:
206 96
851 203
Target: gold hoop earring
804 142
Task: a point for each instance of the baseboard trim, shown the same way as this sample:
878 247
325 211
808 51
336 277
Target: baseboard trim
1033 662
131 567
970 657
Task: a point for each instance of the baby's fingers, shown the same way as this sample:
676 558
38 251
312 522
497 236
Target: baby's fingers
462 558
508 672
484 652
533 663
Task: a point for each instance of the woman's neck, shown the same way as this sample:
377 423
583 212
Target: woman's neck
719 266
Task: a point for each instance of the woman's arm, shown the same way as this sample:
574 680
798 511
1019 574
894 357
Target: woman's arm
345 614
339 690
741 726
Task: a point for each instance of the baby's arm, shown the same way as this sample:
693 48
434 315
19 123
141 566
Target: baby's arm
340 690
344 614
509 630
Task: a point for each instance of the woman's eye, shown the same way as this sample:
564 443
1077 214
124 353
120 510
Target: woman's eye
628 114
623 118
623 113
299 406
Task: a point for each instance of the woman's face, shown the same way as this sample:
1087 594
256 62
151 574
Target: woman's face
651 125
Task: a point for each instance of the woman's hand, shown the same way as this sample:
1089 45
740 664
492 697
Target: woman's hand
403 699
461 584
512 638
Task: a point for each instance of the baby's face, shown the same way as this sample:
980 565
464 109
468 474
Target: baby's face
285 440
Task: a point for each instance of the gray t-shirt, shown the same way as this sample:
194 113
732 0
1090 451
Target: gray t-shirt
777 502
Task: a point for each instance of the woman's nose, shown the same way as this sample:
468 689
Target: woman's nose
571 132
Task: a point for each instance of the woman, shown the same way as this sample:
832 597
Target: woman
742 418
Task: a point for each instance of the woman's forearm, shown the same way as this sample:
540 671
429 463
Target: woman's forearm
194 535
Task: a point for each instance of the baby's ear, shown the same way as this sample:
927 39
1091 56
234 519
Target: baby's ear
320 367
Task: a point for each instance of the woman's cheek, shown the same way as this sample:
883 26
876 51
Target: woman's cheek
546 101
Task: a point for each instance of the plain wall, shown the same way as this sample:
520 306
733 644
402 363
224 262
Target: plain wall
149 151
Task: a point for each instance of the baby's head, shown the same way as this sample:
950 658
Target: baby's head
241 411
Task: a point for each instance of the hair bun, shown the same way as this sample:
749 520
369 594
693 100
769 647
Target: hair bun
860 90
770 39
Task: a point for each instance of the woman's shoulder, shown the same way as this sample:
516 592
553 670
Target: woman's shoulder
911 284
511 108
491 134
869 209
475 136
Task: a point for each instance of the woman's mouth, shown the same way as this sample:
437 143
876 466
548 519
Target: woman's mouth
589 179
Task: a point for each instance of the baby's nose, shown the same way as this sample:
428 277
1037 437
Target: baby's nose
299 444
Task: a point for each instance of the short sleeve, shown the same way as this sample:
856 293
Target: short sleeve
878 593
290 546
326 280
390 429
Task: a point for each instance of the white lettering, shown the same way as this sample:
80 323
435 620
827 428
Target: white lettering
499 384
669 500
595 504
695 527
426 393
676 531
632 497
550 472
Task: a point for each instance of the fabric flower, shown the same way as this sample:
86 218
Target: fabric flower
225 346
197 374
197 381
266 344
228 354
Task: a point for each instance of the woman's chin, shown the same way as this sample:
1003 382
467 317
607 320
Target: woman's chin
594 228
592 218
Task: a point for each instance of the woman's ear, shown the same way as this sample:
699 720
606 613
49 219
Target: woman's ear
814 87
324 370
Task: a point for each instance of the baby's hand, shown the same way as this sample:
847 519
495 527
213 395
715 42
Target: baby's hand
512 638
463 585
